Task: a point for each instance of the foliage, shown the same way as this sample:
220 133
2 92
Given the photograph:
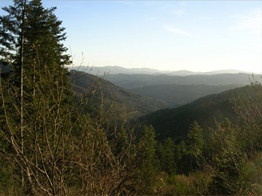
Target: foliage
195 144
168 157
227 160
148 169
175 123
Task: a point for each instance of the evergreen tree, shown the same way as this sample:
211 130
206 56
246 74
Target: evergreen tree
181 158
195 144
11 46
195 139
147 148
38 123
168 163
44 50
11 30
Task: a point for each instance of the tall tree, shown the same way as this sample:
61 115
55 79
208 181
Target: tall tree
31 40
12 51
147 147
168 163
195 143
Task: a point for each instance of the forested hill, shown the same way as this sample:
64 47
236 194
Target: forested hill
119 100
177 95
206 111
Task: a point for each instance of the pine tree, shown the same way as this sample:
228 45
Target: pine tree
195 139
147 148
12 51
195 144
168 163
44 51
11 31
31 40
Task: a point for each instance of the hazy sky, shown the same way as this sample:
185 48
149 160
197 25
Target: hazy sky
163 35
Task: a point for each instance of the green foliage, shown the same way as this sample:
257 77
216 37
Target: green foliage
195 139
252 171
181 158
195 144
7 175
37 125
167 160
249 110
175 123
228 160
147 147
228 157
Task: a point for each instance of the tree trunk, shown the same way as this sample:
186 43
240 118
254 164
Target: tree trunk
22 87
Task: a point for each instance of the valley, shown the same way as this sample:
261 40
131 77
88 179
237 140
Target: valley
169 103
189 125
172 89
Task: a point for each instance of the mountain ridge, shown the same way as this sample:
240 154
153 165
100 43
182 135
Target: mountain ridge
122 70
129 81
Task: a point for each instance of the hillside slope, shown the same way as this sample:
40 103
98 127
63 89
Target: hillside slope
177 95
119 100
175 123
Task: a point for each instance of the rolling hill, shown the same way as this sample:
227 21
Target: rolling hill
206 111
119 100
177 95
172 88
141 80
179 90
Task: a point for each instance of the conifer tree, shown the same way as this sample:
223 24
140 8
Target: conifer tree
147 147
195 139
11 31
195 144
168 163
38 125
12 51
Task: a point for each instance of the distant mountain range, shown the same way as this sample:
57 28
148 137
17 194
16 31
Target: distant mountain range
173 88
114 70
179 90
121 70
131 81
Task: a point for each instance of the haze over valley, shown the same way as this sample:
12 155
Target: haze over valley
171 88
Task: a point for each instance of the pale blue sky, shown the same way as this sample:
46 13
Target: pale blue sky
163 35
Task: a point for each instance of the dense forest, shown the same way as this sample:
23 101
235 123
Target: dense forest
70 133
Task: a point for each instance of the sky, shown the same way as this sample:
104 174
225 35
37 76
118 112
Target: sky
164 35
